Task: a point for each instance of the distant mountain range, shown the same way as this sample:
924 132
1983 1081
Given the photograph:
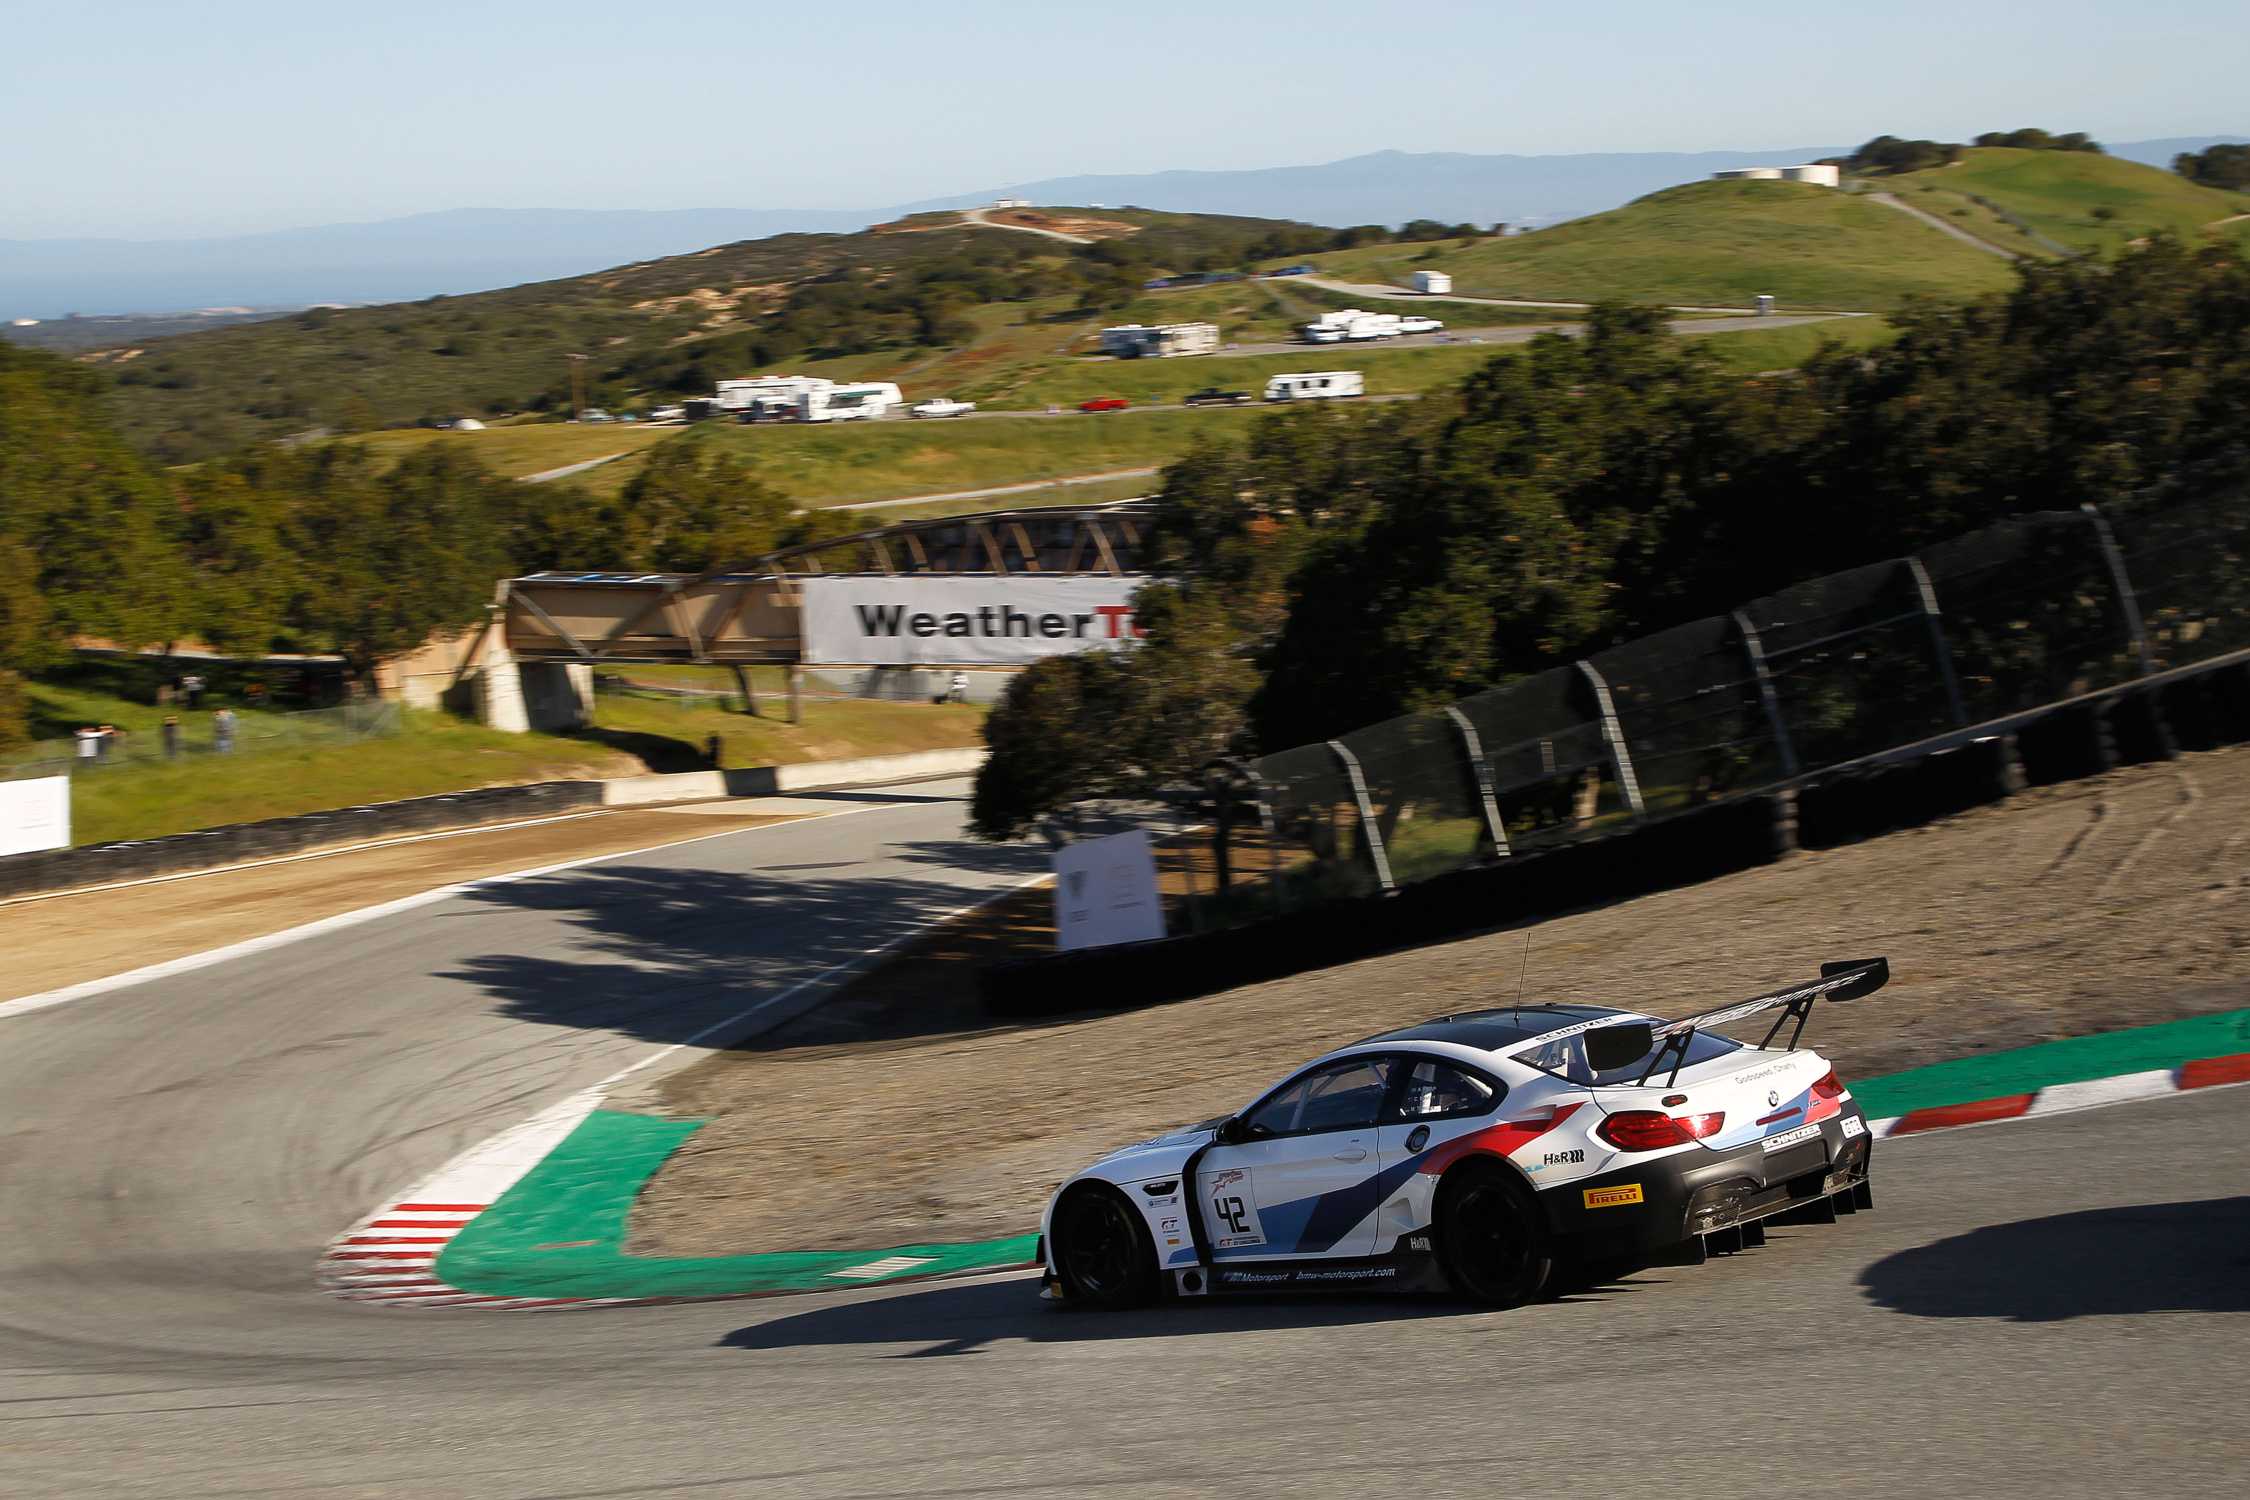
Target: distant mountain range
476 249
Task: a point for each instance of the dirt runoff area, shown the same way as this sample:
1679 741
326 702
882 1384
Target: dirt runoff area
74 936
899 1115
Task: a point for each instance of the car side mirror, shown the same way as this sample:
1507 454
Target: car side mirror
1619 1046
1233 1132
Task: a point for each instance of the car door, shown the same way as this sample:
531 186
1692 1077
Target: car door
1436 1101
1302 1182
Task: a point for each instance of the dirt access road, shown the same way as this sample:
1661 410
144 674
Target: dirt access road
2105 903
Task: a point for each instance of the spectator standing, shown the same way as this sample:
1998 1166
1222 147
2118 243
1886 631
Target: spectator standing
106 741
192 685
171 736
222 730
958 689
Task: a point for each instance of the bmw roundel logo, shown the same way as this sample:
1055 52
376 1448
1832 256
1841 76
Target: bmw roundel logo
1773 1097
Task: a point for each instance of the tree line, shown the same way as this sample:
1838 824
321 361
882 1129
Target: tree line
1336 568
321 547
1888 154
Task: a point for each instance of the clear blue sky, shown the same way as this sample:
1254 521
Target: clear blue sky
149 119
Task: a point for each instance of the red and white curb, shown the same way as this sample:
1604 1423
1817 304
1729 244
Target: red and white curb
2063 1098
390 1257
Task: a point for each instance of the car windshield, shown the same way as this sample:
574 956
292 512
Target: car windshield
1565 1057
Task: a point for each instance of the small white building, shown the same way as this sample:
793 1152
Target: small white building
1011 203
1161 341
1814 173
1431 283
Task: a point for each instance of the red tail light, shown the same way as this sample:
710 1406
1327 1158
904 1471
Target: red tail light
1828 1087
1646 1130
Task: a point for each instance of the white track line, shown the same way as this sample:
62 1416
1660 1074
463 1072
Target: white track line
26 1004
290 859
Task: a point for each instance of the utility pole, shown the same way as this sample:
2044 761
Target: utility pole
577 385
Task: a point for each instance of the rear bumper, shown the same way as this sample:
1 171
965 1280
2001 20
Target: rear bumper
1668 1199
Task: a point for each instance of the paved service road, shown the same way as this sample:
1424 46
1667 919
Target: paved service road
2047 1308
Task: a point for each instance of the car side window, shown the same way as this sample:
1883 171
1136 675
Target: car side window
1344 1095
1435 1090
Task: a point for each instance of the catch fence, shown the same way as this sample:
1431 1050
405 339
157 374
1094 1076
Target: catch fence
2034 611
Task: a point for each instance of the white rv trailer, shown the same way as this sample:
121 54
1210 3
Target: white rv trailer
765 392
863 401
1317 386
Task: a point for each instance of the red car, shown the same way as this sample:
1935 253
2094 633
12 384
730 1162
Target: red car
1105 403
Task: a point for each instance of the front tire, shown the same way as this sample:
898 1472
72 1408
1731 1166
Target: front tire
1102 1250
1491 1239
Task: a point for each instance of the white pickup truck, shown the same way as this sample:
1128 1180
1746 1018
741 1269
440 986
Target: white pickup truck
940 407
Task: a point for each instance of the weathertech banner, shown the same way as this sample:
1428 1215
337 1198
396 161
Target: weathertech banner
964 621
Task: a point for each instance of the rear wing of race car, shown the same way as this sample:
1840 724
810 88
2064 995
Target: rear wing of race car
1847 980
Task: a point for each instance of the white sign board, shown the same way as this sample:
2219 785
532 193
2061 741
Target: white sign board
34 815
1105 892
1010 620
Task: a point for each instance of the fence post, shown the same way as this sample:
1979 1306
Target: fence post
1755 649
2125 596
1369 834
1939 646
1620 756
1480 771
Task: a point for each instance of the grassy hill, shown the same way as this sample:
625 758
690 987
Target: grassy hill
2080 200
856 462
895 294
1720 243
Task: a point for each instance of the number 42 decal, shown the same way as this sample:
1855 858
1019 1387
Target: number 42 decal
1234 1210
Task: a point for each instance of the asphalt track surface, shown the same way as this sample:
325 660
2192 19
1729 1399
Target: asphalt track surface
2045 1308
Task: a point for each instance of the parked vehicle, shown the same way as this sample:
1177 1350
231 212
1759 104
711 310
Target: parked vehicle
667 414
1105 403
1211 395
1317 386
941 407
1373 326
1420 325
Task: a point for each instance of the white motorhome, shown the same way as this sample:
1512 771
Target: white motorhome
1318 386
863 401
767 394
1353 324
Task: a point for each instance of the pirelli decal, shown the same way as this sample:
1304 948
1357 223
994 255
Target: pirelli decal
1613 1197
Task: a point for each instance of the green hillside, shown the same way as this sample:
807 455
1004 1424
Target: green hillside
2080 200
840 304
1717 243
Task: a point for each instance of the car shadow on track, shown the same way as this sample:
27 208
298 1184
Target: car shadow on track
2147 1258
964 1319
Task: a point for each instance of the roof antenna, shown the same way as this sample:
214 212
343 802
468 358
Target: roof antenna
1523 969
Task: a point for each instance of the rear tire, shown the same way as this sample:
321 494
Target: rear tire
1102 1250
1492 1240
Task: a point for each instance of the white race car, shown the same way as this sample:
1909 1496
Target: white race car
1468 1154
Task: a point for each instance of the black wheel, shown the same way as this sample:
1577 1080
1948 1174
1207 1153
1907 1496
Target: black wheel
1490 1239
1103 1250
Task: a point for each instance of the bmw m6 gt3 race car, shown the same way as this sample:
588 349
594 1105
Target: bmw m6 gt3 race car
1469 1153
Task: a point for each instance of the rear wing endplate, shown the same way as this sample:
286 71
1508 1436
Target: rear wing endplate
1847 980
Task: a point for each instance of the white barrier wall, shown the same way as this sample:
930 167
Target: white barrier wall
34 815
